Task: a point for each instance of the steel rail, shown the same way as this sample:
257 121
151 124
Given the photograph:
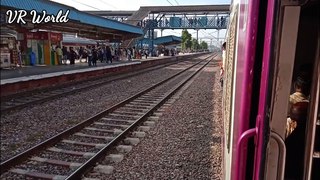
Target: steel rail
76 90
91 162
57 138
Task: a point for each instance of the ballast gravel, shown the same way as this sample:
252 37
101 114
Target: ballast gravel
29 126
185 143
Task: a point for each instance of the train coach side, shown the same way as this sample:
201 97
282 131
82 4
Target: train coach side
266 50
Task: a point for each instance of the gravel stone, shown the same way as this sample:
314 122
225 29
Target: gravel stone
185 142
29 126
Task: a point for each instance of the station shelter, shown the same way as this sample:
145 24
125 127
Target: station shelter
160 43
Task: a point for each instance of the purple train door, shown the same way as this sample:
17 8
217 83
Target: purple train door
246 49
252 109
262 121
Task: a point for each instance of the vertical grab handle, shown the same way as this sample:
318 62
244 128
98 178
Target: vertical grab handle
282 154
243 138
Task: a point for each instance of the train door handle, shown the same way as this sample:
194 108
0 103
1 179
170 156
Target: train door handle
282 151
243 138
282 154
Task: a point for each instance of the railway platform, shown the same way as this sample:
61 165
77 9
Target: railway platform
26 78
25 73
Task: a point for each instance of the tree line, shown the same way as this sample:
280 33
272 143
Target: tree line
191 43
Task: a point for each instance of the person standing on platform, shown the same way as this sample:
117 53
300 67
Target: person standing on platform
59 54
123 54
89 52
65 54
116 54
112 54
94 56
222 67
129 54
146 52
81 53
104 55
73 56
108 54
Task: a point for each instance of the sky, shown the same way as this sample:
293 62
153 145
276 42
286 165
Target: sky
133 4
116 5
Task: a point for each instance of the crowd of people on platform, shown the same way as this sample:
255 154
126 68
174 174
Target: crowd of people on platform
92 54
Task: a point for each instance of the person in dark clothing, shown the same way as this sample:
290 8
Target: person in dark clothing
222 67
89 54
295 142
94 56
146 53
101 54
81 53
108 54
65 55
73 55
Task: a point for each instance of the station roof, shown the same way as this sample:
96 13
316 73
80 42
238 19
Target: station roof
168 40
165 40
111 13
85 24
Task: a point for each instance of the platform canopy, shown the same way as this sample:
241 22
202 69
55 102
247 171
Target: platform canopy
82 23
168 40
165 40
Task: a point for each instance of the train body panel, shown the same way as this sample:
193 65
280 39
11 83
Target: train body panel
265 49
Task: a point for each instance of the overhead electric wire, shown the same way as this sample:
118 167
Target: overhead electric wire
177 2
108 4
86 5
169 2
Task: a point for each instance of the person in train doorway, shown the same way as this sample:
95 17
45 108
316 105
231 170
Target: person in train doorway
222 64
59 54
73 56
301 93
295 142
296 127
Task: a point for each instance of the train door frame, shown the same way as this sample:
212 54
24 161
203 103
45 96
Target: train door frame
313 115
285 56
285 50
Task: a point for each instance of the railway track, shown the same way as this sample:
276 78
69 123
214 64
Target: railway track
70 154
20 101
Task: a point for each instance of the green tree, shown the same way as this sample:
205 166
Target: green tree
203 45
186 39
195 44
